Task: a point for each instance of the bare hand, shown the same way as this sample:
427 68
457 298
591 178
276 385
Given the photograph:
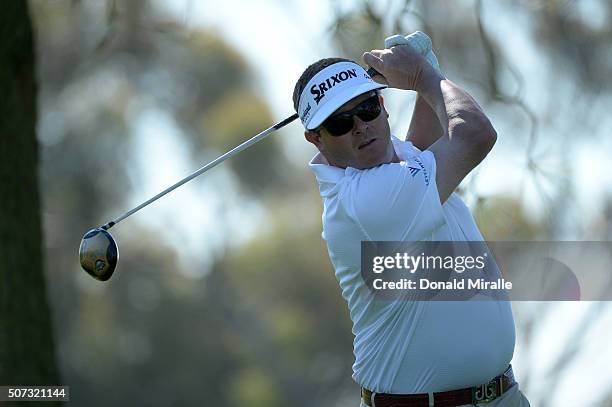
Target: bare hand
400 67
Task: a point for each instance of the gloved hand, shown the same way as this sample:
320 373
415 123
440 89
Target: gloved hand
420 42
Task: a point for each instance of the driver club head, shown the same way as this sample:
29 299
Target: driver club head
98 254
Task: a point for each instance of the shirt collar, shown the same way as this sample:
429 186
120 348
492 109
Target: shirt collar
404 148
325 172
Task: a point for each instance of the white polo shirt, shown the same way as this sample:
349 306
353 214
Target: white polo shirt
402 346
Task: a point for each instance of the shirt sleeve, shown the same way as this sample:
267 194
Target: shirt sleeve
396 201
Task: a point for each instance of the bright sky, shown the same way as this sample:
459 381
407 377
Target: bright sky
281 39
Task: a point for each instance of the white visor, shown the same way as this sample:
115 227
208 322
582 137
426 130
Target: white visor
331 88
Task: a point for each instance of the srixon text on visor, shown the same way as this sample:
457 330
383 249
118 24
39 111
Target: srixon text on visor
318 90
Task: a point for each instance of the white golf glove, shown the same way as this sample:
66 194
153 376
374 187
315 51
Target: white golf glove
420 42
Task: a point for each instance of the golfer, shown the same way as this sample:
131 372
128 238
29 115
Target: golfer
376 187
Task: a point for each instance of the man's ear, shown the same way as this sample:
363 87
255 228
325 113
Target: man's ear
314 138
381 99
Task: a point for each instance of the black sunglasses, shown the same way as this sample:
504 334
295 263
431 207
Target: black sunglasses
341 123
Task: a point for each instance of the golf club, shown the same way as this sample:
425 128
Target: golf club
98 252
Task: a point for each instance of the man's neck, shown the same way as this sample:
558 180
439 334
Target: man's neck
393 159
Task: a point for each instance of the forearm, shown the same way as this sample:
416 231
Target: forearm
424 127
468 134
460 117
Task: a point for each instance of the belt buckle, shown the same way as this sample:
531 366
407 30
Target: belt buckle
486 393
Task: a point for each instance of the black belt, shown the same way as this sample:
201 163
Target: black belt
484 393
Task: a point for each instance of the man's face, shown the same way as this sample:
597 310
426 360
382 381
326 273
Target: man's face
366 145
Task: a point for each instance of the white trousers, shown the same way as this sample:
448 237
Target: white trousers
512 398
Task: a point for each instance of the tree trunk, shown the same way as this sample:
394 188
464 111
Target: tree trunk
26 337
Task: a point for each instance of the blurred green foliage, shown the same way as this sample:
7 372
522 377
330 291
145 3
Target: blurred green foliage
237 115
504 218
264 324
266 319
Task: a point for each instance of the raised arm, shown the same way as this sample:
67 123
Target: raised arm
467 134
424 127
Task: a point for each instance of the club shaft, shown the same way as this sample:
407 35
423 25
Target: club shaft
205 168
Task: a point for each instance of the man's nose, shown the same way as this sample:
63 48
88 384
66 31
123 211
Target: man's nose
359 125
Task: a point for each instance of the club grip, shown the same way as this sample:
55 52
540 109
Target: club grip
373 72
